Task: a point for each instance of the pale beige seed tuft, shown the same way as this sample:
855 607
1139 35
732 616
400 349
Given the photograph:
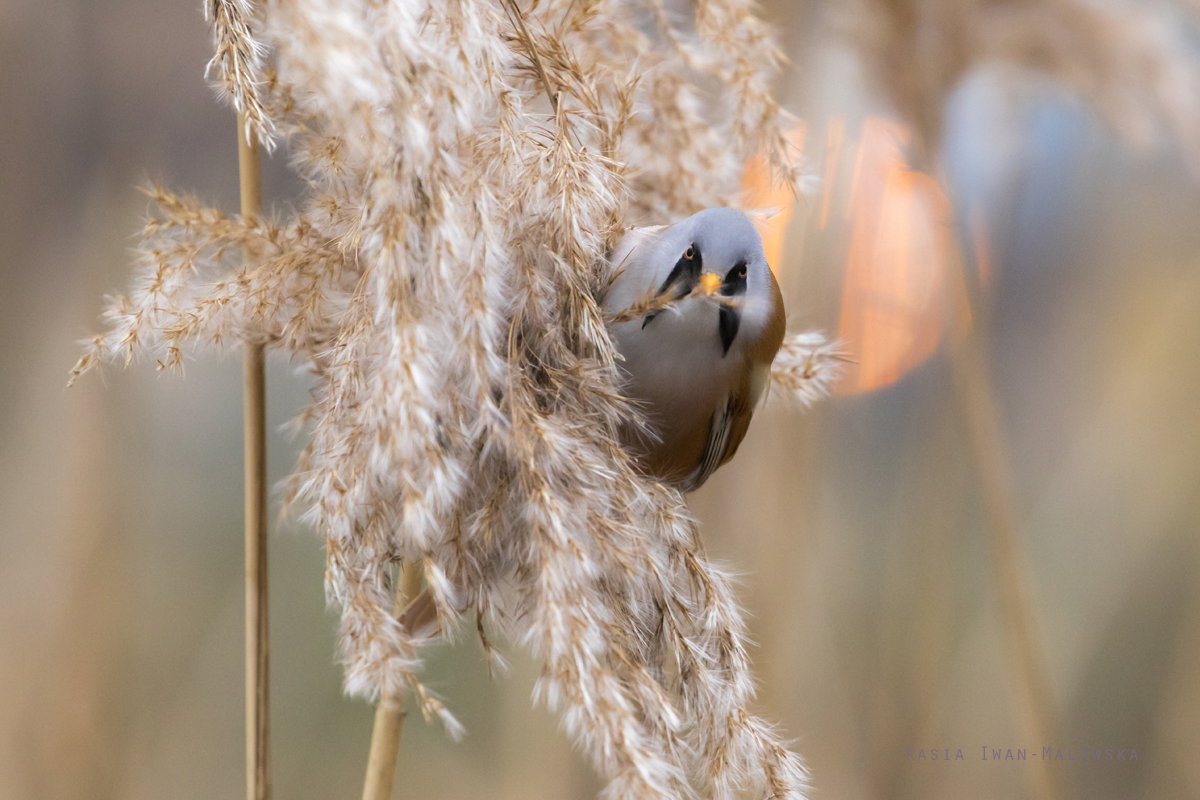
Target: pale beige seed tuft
469 167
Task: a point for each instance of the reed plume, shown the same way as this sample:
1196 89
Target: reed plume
469 164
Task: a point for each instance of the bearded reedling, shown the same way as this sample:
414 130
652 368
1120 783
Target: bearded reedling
699 359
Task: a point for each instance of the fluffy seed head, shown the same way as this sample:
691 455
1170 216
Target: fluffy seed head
469 166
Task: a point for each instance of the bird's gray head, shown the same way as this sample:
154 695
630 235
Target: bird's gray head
724 243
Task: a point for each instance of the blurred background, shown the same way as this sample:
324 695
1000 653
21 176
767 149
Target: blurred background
1018 287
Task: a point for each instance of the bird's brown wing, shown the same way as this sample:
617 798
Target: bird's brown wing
741 408
719 429
726 429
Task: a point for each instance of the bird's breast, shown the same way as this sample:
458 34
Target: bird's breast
675 366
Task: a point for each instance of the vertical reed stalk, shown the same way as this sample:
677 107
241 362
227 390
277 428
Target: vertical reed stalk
1036 713
258 696
390 713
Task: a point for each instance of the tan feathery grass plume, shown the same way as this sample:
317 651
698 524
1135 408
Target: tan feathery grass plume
807 366
238 62
442 279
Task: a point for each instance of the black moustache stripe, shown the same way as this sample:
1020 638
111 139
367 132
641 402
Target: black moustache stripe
727 325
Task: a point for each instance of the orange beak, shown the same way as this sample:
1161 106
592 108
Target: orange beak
710 284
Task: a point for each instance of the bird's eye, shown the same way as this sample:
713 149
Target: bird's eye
735 280
690 253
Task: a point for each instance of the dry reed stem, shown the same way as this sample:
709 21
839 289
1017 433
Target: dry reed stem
258 696
390 713
652 302
1036 712
518 20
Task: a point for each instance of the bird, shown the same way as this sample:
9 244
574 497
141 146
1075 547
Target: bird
699 366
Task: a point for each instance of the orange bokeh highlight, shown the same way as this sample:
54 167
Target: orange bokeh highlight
903 291
775 201
834 139
903 286
980 242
